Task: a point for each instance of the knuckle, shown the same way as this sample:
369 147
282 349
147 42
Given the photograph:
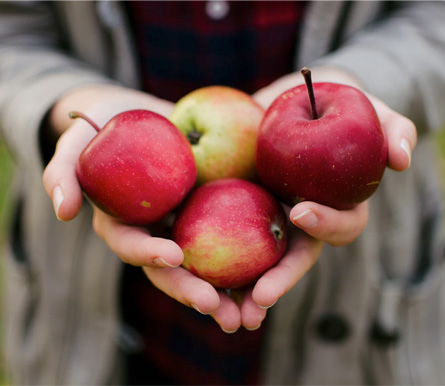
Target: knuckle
47 179
125 259
97 226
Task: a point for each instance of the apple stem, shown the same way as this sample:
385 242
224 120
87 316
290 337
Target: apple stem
194 137
76 114
310 89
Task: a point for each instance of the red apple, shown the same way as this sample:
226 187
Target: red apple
138 168
221 124
333 152
231 231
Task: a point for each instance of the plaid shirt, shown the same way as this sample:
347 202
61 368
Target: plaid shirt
181 49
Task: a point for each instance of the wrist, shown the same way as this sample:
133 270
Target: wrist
101 102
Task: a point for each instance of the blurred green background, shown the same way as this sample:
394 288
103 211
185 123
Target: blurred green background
5 182
5 191
441 144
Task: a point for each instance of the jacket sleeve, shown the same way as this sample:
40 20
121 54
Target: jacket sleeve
401 60
34 72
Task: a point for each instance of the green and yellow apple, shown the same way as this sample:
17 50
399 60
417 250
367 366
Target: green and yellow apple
221 123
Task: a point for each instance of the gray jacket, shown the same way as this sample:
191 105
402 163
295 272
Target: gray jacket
371 312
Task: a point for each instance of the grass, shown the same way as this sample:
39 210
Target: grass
441 146
5 183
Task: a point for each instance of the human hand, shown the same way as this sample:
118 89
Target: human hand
151 248
315 223
302 253
148 247
323 222
100 103
230 309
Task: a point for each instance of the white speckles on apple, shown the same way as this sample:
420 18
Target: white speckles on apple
287 95
120 160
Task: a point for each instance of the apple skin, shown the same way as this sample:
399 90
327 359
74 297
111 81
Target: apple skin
231 231
336 160
226 120
138 168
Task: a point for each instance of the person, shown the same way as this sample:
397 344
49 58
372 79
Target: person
355 305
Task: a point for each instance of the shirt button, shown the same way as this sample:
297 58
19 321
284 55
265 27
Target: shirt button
217 9
332 328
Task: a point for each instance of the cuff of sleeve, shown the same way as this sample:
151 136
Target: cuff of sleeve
24 112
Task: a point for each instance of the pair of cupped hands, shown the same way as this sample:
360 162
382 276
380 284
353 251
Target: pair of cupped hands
160 258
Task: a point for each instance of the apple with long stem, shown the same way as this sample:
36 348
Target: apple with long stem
328 147
231 231
138 168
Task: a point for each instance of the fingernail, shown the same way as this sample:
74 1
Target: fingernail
307 219
159 261
253 328
229 331
57 199
197 309
404 144
266 307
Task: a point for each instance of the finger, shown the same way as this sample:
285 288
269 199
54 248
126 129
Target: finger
401 141
401 135
251 314
336 227
266 95
228 314
180 284
60 179
302 254
134 245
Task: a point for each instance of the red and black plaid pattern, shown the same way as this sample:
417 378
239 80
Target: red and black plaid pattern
182 49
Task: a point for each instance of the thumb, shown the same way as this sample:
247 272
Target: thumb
60 179
401 134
